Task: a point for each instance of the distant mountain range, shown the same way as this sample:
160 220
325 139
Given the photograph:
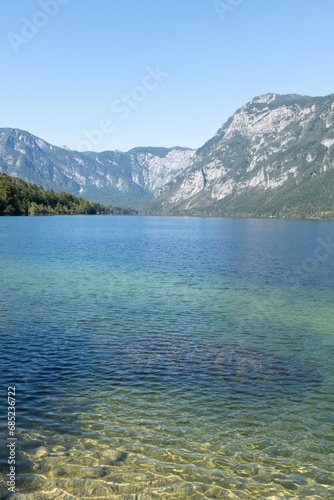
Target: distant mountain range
112 177
273 157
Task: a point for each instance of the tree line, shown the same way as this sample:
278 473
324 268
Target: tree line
18 197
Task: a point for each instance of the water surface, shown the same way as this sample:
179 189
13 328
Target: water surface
200 348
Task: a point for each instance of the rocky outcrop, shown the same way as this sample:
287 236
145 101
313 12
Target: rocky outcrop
110 177
266 156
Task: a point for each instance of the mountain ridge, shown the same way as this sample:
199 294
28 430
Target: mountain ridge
273 157
259 161
110 177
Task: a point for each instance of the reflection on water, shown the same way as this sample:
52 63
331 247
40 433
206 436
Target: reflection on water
150 363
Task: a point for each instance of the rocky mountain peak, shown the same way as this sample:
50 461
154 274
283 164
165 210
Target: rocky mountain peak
274 157
265 154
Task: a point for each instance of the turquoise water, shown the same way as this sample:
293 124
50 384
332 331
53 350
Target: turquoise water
202 349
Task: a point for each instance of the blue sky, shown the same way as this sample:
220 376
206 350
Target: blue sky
109 74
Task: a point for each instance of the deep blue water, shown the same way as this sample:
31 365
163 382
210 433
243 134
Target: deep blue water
201 348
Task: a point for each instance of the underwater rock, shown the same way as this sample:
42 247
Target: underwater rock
113 455
159 357
41 452
94 472
65 470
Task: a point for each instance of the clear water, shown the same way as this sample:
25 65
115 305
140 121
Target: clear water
200 348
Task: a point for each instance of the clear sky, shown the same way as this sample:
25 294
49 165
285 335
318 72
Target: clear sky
115 74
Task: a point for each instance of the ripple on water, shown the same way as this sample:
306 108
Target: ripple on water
154 447
189 418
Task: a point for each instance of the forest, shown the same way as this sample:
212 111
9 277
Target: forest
18 197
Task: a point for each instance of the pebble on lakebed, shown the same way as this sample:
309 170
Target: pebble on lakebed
94 472
111 457
41 452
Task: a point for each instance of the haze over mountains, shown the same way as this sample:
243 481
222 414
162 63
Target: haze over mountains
273 157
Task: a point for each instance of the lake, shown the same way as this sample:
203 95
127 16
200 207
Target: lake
201 349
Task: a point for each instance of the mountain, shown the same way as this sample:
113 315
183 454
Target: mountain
273 157
111 177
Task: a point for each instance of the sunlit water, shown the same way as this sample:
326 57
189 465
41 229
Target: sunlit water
202 349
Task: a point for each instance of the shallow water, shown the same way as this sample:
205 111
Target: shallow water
200 348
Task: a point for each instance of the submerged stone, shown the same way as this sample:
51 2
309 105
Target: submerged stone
41 452
112 456
94 472
207 362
